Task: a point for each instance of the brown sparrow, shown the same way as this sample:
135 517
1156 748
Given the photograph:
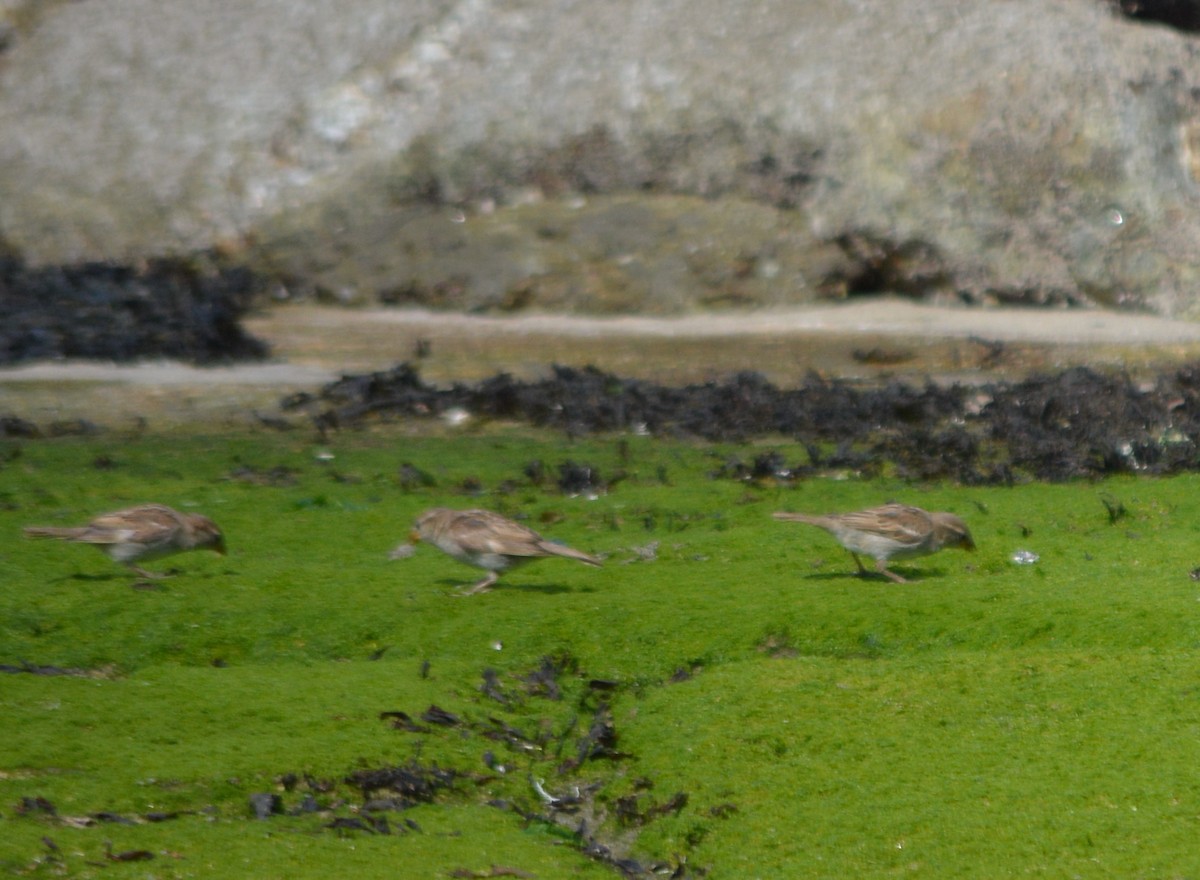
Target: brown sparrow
894 531
149 531
487 540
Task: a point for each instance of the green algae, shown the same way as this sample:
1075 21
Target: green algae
986 719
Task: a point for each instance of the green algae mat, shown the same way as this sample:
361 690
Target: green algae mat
725 698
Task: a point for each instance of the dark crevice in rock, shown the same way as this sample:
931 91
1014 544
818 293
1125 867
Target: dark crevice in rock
912 267
1183 15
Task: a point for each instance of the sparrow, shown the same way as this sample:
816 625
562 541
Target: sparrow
487 540
148 531
893 531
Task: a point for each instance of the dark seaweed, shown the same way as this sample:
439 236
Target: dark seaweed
1078 423
181 309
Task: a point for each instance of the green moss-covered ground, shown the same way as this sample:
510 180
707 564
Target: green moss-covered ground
729 703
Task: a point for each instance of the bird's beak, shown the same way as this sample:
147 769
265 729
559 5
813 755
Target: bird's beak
414 537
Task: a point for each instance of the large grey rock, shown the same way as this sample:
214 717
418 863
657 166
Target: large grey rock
603 255
1012 149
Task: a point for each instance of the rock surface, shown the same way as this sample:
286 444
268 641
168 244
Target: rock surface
434 150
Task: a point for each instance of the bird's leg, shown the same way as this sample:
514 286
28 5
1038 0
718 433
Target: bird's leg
152 575
881 567
484 585
861 571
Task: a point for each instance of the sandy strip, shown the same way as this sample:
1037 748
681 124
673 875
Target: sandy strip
888 317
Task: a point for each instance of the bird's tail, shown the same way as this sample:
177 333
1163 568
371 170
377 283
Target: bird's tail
64 534
802 518
569 553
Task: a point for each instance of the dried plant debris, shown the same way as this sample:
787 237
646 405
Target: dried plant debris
492 688
493 871
371 824
132 855
412 477
185 309
15 426
600 741
278 476
264 805
30 807
565 772
580 479
36 806
1078 423
407 784
543 681
1115 507
402 721
104 672
538 775
438 715
638 809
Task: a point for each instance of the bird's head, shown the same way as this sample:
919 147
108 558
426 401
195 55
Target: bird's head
429 524
206 534
950 531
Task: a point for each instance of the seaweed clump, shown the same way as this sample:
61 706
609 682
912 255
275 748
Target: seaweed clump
1076 424
173 308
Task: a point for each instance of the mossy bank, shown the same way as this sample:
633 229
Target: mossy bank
725 698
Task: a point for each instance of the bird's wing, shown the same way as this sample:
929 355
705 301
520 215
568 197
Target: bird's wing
899 522
487 532
147 524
